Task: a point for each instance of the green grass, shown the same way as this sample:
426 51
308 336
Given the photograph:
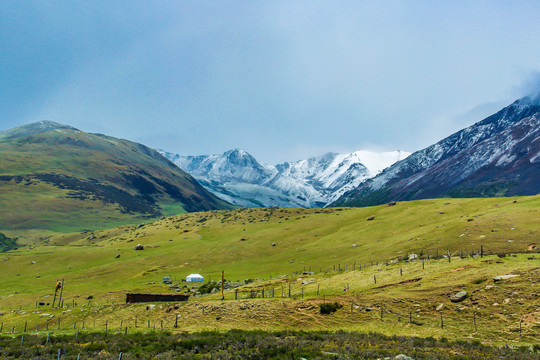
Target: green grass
240 242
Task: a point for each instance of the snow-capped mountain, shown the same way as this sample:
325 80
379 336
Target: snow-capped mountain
238 177
497 156
334 174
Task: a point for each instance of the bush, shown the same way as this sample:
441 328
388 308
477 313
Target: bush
208 287
328 308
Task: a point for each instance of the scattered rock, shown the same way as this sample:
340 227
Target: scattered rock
458 297
32 262
503 277
506 301
139 247
392 203
117 256
532 247
243 239
439 307
412 257
273 244
370 218
150 307
140 226
403 357
354 245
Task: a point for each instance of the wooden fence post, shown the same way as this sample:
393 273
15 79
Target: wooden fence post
375 278
442 323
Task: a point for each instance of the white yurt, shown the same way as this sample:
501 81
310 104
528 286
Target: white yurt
194 278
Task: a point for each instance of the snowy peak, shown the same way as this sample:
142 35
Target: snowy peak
238 177
467 163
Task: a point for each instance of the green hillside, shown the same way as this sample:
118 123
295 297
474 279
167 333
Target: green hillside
54 177
315 253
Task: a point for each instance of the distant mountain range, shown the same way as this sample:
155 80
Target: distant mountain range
239 178
498 156
55 177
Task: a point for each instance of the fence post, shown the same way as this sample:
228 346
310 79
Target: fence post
382 309
520 321
401 271
22 340
289 289
375 278
481 250
77 335
48 337
442 323
236 294
318 289
26 323
175 321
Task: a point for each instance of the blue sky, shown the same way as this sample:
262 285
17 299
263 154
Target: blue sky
283 80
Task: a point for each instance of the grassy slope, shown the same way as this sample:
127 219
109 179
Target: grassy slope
109 182
312 238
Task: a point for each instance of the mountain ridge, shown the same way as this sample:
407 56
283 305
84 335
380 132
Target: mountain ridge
49 170
405 179
239 178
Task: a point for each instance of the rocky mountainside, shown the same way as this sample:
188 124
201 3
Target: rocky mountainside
55 177
498 156
239 178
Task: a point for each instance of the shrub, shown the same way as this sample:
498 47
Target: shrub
328 308
208 287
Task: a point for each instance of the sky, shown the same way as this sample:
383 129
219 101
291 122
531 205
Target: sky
283 80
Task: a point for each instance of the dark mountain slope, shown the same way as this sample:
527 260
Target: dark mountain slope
494 157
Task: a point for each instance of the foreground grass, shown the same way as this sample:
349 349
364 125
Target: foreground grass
237 344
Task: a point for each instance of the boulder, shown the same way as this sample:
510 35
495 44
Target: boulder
403 357
354 245
458 297
439 307
139 247
118 255
392 203
370 218
503 277
412 257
